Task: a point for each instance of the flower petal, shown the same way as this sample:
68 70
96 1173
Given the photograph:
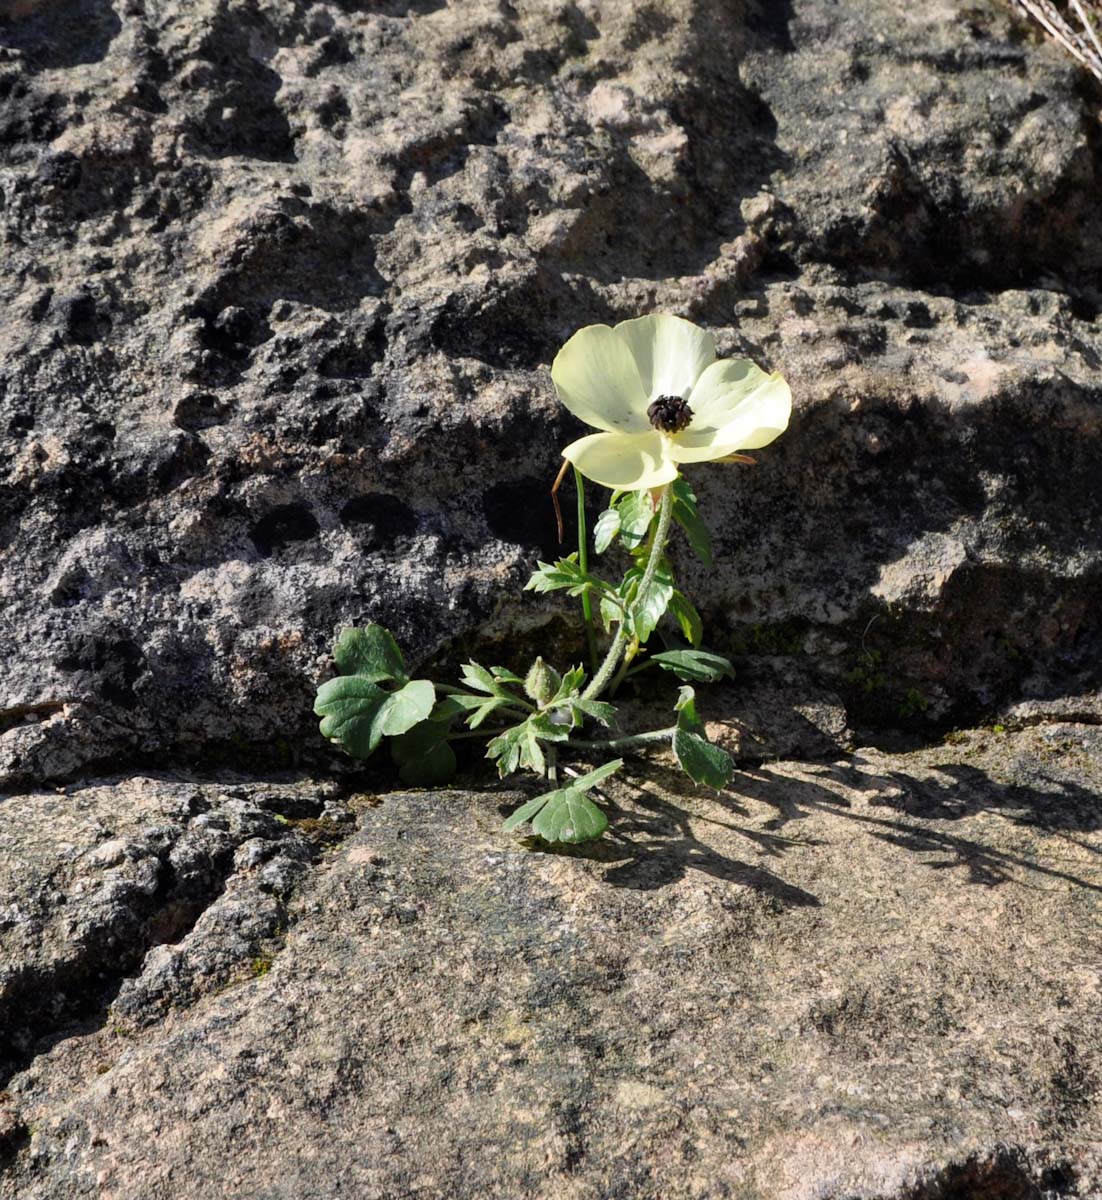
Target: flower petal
671 353
597 379
754 420
721 388
626 462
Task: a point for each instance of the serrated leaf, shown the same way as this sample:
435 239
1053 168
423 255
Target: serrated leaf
570 816
636 513
349 707
610 613
684 612
605 530
687 515
543 727
477 677
571 683
701 666
483 711
647 610
455 705
525 812
599 710
505 676
423 755
505 749
371 653
700 760
405 708
585 782
565 573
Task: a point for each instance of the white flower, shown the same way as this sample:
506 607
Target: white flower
654 387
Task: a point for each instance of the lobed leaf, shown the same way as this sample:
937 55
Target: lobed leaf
570 816
371 653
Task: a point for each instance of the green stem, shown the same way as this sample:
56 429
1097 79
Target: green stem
583 562
627 743
616 650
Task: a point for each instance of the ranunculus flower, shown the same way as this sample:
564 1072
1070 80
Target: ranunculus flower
654 387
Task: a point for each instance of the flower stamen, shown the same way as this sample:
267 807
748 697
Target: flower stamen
670 414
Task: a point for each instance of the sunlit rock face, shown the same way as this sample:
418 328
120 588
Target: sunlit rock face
282 283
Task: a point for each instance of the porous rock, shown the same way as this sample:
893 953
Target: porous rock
282 283
876 977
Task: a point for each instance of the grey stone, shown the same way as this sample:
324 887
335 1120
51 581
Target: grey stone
282 284
876 976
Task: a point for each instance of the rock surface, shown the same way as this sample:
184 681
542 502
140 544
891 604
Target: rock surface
876 977
282 282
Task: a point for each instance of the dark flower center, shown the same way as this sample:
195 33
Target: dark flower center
670 414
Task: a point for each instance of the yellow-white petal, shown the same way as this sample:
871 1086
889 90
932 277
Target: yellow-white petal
752 422
722 388
597 379
625 462
671 353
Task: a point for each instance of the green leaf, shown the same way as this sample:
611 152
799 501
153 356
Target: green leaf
647 610
688 618
686 710
636 513
505 749
566 573
404 709
349 707
455 705
547 730
371 653
483 711
571 682
479 678
701 666
599 710
584 782
570 816
700 760
525 812
423 756
687 515
505 676
606 529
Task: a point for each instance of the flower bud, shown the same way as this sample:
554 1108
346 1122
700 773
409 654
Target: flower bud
542 682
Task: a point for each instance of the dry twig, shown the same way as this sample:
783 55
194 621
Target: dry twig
1075 26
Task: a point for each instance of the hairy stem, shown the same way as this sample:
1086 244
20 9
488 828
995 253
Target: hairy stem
583 562
632 742
616 650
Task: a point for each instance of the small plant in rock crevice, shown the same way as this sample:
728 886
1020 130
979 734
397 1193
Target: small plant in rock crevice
659 398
